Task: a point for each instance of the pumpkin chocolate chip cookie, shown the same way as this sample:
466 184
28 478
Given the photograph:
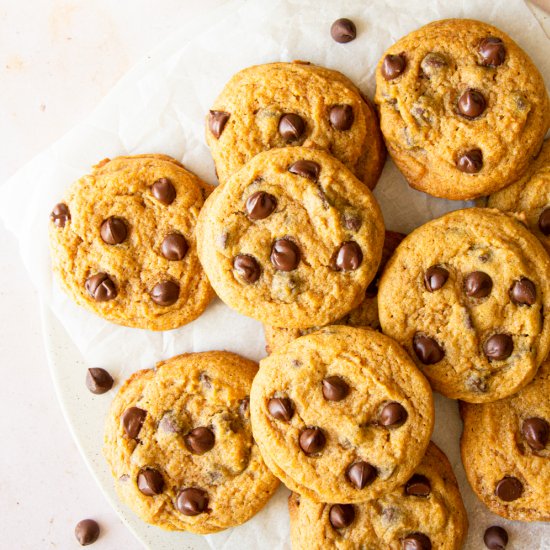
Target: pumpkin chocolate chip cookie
341 415
180 447
463 109
468 295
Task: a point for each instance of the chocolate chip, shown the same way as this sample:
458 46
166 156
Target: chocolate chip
418 486
132 420
291 126
192 501
199 440
341 117
471 104
167 424
335 388
113 230
341 515
98 381
174 247
244 407
498 347
478 284
495 538
470 162
86 532
544 222
393 66
60 215
150 482
435 277
165 293
343 30
101 287
535 431
509 488
285 255
164 191
431 63
427 349
260 205
305 169
492 51
351 222
247 268
217 121
348 257
416 541
281 408
312 440
393 415
523 292
361 474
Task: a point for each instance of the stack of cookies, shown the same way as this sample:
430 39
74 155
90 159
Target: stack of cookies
361 323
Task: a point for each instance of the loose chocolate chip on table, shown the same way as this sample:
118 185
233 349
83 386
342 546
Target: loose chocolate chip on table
312 440
544 222
101 287
416 541
418 486
393 66
348 257
98 380
60 214
174 247
509 488
495 538
478 284
217 121
523 292
164 191
471 104
305 169
260 205
113 230
285 255
335 388
86 532
341 117
192 501
435 277
492 51
427 349
536 432
247 268
341 515
343 30
470 162
150 482
291 126
281 408
361 474
132 420
200 440
392 415
165 293
498 347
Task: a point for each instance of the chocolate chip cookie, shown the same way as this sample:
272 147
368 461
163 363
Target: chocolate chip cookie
364 315
123 242
468 295
180 447
424 513
506 451
463 109
529 197
289 104
293 239
341 415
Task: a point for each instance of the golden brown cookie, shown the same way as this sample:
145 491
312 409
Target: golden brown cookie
426 512
123 242
468 295
289 104
180 447
463 109
341 415
293 239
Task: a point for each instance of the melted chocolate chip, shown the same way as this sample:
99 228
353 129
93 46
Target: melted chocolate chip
150 482
305 169
312 440
281 408
260 205
495 538
199 440
335 388
164 191
470 162
343 30
418 486
492 51
168 424
416 541
536 432
132 420
432 63
435 277
341 117
98 381
427 349
86 532
217 121
523 292
544 222
101 287
113 230
165 293
471 104
247 268
361 474
174 247
341 515
192 501
60 215
393 415
348 257
393 66
285 255
291 126
509 488
498 347
478 284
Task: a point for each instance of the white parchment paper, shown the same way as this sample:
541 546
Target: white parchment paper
160 107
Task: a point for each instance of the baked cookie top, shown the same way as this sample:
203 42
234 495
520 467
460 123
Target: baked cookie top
463 109
426 512
123 242
530 197
293 239
288 104
180 447
341 415
468 296
506 451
